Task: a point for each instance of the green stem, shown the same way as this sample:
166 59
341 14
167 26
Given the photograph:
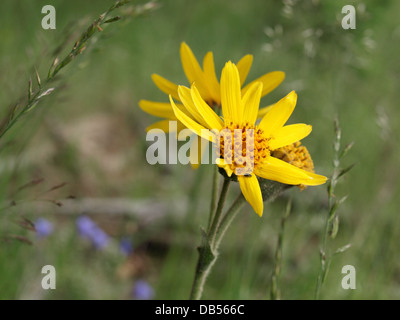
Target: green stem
214 191
30 103
203 268
324 257
208 250
10 125
227 219
217 217
214 195
323 254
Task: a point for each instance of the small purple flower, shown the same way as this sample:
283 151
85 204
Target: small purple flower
99 238
85 226
43 227
142 291
126 246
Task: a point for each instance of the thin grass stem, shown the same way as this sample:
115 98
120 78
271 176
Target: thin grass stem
275 293
332 220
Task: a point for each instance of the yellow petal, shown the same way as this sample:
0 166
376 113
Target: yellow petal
289 134
252 192
251 103
158 109
263 111
211 78
244 66
227 167
186 98
192 124
162 125
165 85
270 81
317 179
279 114
231 100
210 117
196 157
281 171
193 70
165 126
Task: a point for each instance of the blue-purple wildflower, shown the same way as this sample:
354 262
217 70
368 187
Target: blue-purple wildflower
142 290
43 227
87 228
126 246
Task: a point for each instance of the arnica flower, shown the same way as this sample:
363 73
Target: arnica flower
208 86
256 142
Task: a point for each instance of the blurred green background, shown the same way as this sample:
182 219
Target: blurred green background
90 134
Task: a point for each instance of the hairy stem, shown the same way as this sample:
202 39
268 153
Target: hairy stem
208 251
204 265
214 196
227 219
217 216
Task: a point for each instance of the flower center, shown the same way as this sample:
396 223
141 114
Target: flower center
243 147
296 155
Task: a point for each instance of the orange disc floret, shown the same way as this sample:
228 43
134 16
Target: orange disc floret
243 146
297 155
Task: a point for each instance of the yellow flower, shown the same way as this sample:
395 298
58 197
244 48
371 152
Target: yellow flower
297 155
240 111
208 86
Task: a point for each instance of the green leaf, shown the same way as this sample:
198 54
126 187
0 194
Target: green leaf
343 199
30 107
334 208
346 149
333 211
345 170
206 253
113 19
